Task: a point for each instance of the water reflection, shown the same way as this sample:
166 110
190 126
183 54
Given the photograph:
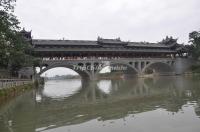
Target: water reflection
60 89
197 108
159 104
105 86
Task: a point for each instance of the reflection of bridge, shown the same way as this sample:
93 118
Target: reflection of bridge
139 57
126 97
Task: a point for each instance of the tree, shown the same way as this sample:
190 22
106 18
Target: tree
7 5
169 40
194 39
14 49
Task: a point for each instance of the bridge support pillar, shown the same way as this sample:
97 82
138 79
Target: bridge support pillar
40 68
93 75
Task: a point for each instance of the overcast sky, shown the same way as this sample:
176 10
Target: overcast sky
131 20
135 20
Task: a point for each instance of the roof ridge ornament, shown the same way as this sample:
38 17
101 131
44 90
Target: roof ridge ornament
109 42
116 39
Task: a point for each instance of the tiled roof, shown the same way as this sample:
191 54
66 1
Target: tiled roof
141 44
110 41
96 43
62 42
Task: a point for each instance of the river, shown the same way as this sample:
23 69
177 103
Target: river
162 104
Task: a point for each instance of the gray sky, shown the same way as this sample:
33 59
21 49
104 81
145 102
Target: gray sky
133 20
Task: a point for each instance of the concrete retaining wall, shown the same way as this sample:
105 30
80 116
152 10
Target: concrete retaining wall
182 65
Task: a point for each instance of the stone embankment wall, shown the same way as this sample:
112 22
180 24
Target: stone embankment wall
11 87
183 65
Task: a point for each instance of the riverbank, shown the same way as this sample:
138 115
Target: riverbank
195 69
10 92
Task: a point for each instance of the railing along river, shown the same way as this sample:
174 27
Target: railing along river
7 83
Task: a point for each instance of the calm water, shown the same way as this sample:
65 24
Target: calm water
165 104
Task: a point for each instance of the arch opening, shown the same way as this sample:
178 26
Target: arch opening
60 83
68 71
117 70
158 68
60 72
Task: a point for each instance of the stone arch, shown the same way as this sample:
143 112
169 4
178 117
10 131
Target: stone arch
83 73
129 66
158 67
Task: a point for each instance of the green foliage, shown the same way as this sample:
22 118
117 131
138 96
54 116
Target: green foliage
194 39
169 40
7 5
15 51
36 62
195 68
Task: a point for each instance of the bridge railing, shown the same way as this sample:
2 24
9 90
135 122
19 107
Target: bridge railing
7 83
104 58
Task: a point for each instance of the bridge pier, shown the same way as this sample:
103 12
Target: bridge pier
93 76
